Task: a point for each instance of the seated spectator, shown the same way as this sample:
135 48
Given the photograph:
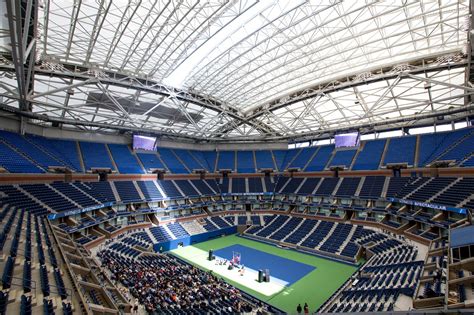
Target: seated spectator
182 288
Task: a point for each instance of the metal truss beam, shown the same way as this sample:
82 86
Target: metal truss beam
470 52
144 85
22 16
330 88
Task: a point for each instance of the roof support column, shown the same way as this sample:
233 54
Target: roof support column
22 21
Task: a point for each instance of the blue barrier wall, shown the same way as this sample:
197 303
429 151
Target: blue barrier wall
193 239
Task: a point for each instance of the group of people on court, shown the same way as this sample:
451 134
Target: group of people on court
299 309
232 265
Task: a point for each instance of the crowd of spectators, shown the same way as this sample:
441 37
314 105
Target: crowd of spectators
163 284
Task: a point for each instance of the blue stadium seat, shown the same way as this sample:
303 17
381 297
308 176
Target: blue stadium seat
280 159
226 160
369 157
245 162
401 150
124 159
303 158
264 159
127 191
150 161
189 161
173 163
319 161
16 163
343 157
95 155
149 190
64 150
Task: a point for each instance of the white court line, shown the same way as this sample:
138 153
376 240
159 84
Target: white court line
249 279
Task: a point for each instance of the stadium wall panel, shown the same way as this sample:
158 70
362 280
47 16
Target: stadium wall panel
198 238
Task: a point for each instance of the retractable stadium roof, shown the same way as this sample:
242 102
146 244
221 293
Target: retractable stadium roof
244 70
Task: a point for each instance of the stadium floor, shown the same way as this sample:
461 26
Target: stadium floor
288 270
314 288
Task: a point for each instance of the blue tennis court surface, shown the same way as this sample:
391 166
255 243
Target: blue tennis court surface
282 268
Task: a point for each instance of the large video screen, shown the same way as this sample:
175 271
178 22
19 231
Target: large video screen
144 143
351 139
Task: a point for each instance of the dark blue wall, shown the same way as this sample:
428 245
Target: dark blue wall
193 239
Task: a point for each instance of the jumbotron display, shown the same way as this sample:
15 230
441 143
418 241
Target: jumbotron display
351 139
144 143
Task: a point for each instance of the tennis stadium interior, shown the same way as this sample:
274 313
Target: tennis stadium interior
244 156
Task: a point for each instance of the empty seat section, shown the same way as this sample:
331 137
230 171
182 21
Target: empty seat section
16 163
401 150
279 159
245 162
149 190
286 229
303 158
343 158
186 188
226 160
150 161
269 185
372 187
174 165
298 234
460 150
395 185
457 193
203 188
280 182
255 220
336 238
290 155
220 222
308 186
213 184
124 159
255 185
28 149
369 157
99 190
224 186
208 225
199 157
74 193
241 220
16 198
434 186
327 186
273 226
127 191
319 161
264 159
315 238
469 162
65 150
238 185
160 234
177 230
170 190
189 161
292 185
209 157
95 155
49 197
348 186
411 186
435 144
